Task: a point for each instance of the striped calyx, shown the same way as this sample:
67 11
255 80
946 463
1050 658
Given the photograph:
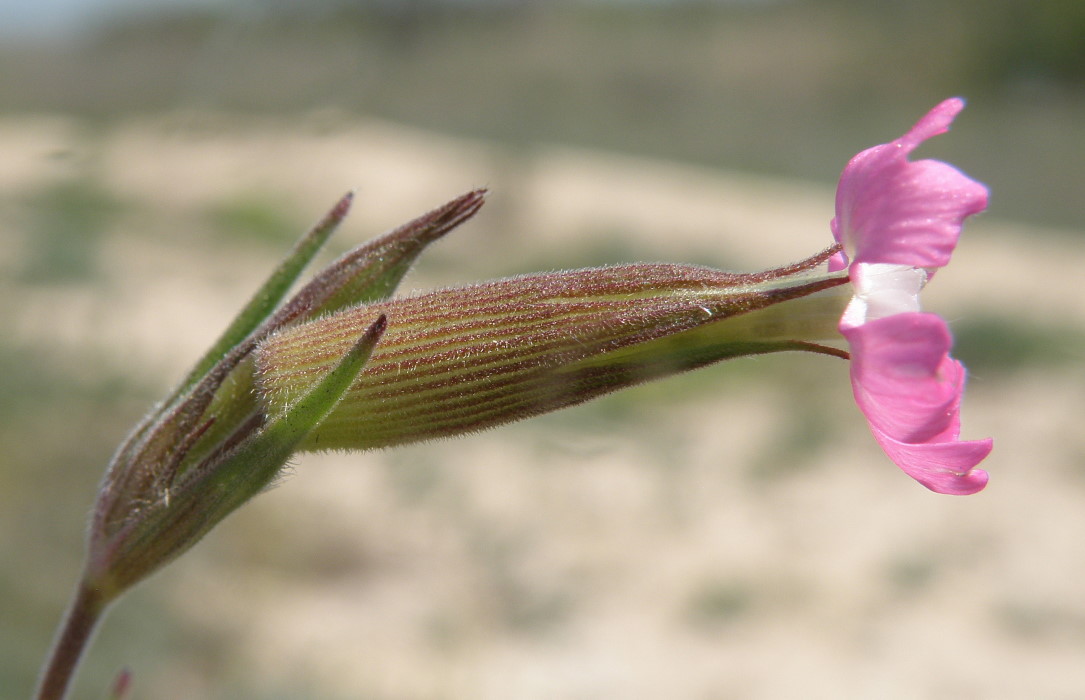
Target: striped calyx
463 359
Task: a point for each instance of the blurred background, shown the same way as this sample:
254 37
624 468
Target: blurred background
734 533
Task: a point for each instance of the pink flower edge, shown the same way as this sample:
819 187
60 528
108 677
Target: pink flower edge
890 211
909 389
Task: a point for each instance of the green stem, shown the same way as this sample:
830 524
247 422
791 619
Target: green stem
72 639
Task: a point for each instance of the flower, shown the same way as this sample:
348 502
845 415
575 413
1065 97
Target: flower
899 221
344 365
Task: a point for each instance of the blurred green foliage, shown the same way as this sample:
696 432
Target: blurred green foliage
68 222
254 218
58 428
993 345
778 87
715 603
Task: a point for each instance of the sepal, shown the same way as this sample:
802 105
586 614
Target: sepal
153 533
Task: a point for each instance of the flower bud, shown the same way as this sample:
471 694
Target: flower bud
463 359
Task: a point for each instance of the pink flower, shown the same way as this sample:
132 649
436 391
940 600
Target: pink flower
898 222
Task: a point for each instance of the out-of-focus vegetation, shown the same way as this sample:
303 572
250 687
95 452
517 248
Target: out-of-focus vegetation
775 87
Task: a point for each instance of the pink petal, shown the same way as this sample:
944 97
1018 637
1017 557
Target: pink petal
839 261
909 389
943 467
904 380
891 210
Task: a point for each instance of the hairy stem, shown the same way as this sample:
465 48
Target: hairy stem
72 640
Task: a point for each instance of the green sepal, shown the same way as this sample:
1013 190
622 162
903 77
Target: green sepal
273 291
175 439
173 420
256 463
203 496
371 272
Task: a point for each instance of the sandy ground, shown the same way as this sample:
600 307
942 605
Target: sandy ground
576 557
